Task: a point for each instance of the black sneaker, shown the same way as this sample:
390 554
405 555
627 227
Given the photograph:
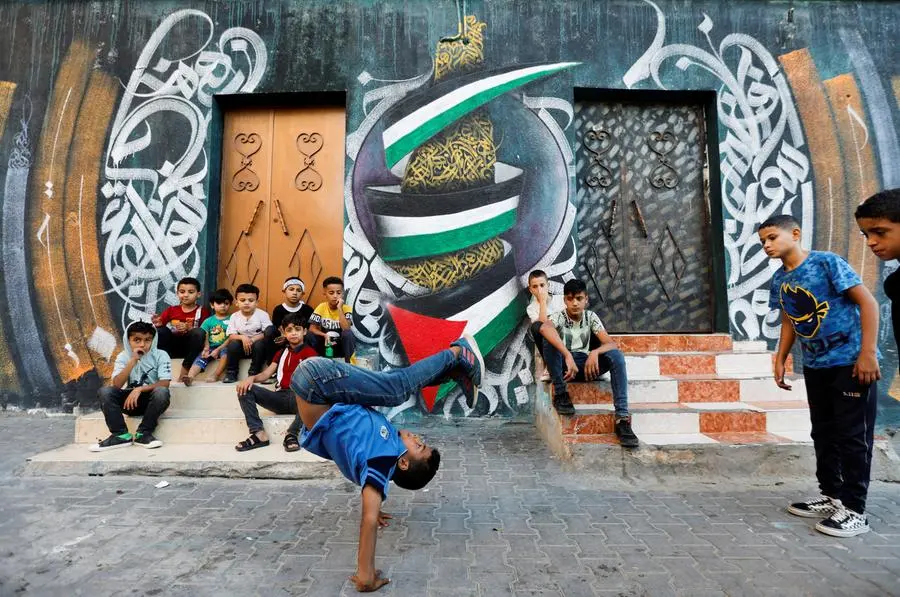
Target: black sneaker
112 442
470 368
817 507
146 440
627 438
230 377
563 405
251 372
844 523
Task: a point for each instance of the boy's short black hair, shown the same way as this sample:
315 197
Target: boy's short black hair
884 204
294 319
538 273
247 289
141 327
222 295
574 286
419 473
189 281
783 221
332 280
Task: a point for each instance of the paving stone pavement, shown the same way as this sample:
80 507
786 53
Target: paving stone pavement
501 518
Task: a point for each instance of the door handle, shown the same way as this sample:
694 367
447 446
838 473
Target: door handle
249 227
280 218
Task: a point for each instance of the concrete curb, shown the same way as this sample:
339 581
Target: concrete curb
233 470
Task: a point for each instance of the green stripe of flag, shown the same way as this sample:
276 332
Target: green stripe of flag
424 245
492 334
406 144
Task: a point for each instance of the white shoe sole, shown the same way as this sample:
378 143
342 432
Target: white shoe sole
839 533
808 513
99 448
151 445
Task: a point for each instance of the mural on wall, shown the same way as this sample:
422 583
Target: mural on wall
444 225
764 167
156 211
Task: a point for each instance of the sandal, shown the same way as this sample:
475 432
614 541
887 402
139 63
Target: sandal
251 443
291 443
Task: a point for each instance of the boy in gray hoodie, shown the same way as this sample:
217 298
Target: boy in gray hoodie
139 386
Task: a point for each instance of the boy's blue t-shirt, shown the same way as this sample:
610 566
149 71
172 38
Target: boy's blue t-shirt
813 296
215 328
361 442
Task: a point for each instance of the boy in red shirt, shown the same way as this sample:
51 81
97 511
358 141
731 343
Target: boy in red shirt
178 327
281 401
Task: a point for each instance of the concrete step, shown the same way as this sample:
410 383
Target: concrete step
684 422
687 389
729 364
199 460
176 426
206 396
243 369
647 343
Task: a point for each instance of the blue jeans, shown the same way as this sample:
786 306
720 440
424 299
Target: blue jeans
329 381
612 361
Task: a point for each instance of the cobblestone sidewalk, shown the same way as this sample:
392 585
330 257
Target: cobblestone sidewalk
501 519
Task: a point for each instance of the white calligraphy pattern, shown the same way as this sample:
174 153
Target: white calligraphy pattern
156 207
765 170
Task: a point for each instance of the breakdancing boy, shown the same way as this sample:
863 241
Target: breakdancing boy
335 400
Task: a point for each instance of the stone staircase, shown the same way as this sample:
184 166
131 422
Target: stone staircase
692 389
199 431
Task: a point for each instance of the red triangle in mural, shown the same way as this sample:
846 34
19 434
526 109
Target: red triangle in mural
422 336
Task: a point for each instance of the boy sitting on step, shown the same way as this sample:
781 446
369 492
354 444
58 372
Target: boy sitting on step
139 386
215 329
178 327
823 301
334 400
246 333
576 325
331 324
281 401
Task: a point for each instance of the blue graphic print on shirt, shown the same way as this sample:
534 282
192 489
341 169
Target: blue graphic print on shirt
826 321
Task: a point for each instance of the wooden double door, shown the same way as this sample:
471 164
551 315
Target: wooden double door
282 199
644 221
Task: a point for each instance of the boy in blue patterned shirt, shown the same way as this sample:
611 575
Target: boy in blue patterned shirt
335 400
823 302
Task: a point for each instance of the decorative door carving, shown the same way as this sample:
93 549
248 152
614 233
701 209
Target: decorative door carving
282 199
643 218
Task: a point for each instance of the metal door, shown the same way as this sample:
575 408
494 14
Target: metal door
643 216
282 199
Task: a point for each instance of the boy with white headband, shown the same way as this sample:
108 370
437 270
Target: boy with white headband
293 289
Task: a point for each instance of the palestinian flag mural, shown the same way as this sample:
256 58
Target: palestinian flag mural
440 226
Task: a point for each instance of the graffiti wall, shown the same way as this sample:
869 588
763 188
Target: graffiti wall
460 170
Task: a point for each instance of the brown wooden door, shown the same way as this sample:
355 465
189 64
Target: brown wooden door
282 199
643 216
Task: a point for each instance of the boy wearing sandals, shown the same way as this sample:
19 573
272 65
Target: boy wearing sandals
281 401
335 401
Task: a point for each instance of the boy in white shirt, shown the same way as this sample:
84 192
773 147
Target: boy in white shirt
542 305
246 333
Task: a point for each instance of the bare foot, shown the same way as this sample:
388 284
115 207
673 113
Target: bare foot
187 380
